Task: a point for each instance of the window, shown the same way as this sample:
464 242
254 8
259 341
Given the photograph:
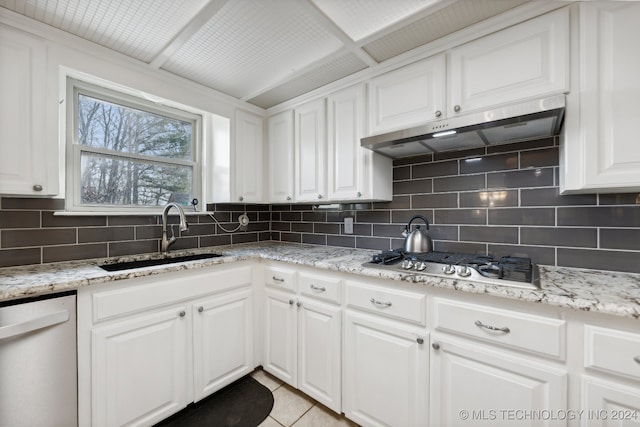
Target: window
127 153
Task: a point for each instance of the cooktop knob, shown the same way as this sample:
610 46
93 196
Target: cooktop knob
420 266
464 271
448 269
407 264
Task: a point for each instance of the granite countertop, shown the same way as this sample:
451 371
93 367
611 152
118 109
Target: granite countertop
588 290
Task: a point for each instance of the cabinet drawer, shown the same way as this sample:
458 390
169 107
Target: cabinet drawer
280 278
535 334
398 303
612 351
320 287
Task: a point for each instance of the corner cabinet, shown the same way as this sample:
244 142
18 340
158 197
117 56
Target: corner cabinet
248 159
599 151
28 148
149 346
280 131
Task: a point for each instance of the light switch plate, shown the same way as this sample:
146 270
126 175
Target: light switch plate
348 225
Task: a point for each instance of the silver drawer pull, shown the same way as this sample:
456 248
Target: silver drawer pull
637 359
492 328
277 279
318 288
380 303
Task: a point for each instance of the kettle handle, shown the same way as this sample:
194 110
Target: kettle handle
417 217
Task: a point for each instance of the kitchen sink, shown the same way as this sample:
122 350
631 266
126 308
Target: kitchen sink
119 266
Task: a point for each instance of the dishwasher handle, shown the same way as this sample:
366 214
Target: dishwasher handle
34 324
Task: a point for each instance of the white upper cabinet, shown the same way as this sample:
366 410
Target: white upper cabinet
281 188
525 61
407 96
599 148
310 152
354 173
248 160
28 153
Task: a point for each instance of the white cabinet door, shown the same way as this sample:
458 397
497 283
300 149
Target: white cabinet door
345 127
385 373
280 336
281 188
475 386
408 96
248 161
609 404
25 157
600 150
320 352
310 152
141 368
222 341
525 61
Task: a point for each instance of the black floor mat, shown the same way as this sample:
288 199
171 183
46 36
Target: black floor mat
244 403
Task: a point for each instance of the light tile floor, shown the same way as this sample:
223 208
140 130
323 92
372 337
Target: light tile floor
292 408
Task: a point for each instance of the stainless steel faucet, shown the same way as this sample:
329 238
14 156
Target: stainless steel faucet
184 226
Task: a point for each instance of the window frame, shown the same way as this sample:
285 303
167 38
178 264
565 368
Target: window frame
74 149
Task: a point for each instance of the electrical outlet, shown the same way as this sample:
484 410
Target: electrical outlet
348 225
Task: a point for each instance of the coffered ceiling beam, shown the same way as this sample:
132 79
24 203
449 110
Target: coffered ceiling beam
199 20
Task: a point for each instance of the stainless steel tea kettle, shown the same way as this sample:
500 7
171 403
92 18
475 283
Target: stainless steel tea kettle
418 240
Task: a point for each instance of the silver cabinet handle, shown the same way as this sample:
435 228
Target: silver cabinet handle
277 279
241 198
298 303
438 113
37 187
420 341
492 328
200 309
637 359
380 303
182 313
318 288
290 302
436 346
319 196
34 324
359 194
288 197
456 108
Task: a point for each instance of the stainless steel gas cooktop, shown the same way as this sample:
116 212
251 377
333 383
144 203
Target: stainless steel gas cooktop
505 271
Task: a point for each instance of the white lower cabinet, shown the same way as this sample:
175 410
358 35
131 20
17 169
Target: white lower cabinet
280 323
302 337
140 368
476 386
149 346
609 404
386 372
222 340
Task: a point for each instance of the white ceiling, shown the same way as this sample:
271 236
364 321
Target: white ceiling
261 51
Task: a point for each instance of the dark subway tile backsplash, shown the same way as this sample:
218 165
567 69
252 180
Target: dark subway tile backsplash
501 199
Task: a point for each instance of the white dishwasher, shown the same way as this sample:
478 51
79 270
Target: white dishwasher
38 372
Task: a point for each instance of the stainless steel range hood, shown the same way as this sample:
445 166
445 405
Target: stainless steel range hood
510 123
